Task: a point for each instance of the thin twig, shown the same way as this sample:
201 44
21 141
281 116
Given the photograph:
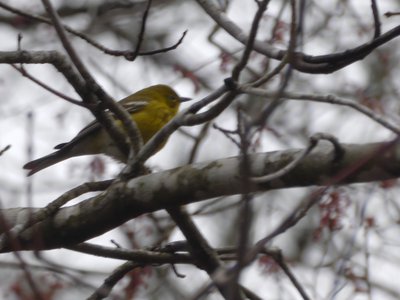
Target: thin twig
24 73
53 207
105 289
141 31
268 76
262 6
331 99
227 134
377 22
2 151
278 257
128 54
262 118
245 209
152 257
391 14
197 142
166 49
313 141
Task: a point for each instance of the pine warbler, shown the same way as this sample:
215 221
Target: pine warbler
151 108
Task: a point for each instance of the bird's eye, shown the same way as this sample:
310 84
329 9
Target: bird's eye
172 98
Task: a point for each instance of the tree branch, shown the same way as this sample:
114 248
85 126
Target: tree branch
197 182
321 64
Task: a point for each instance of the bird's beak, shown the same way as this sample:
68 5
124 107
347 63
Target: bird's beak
184 99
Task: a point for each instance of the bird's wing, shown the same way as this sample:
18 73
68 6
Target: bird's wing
92 127
135 106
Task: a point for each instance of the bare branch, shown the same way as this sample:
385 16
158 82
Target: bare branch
2 151
128 54
205 255
105 289
24 73
145 194
332 100
322 64
377 22
262 6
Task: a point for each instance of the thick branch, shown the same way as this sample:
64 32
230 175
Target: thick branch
197 182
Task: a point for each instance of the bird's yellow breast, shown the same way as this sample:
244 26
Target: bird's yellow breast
153 118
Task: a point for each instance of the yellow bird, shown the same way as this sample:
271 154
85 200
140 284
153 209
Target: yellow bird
151 108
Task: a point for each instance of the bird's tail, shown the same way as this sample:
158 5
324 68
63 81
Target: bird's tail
45 161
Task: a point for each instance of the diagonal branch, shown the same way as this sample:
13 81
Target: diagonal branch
321 64
124 201
93 89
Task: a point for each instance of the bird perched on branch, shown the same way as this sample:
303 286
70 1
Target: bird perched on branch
150 108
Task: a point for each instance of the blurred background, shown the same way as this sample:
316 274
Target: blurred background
347 247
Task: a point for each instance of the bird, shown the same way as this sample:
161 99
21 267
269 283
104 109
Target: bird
151 108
